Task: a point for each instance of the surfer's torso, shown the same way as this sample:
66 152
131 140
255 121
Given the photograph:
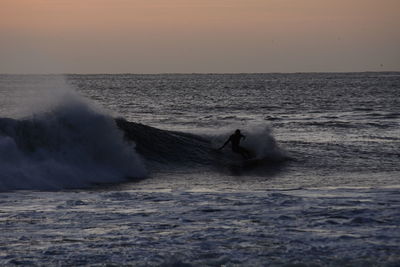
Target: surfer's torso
235 140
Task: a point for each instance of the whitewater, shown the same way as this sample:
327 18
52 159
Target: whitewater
124 170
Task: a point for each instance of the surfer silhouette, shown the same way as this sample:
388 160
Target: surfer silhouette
235 141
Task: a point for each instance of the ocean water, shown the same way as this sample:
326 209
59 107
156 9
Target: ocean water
123 169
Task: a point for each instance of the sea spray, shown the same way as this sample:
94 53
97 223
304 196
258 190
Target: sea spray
66 142
258 139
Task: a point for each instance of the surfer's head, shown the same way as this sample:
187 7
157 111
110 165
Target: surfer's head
237 131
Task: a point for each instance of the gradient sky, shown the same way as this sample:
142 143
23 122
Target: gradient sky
185 36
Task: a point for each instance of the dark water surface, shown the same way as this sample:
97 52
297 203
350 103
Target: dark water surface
324 190
342 126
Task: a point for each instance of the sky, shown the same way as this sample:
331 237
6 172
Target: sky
199 36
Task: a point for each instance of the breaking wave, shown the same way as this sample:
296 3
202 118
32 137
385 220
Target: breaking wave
68 142
71 145
188 149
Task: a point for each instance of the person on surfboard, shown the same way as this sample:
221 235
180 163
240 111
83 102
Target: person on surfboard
235 141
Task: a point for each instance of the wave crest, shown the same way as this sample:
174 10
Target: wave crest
70 145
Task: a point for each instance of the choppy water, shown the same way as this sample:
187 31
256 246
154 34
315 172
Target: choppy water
325 193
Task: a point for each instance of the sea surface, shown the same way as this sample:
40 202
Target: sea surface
125 170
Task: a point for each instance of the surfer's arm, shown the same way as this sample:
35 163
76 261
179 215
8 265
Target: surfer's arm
227 141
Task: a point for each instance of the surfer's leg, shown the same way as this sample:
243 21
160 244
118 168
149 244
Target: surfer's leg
238 150
244 152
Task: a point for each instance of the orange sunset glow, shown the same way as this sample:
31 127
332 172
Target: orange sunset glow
184 36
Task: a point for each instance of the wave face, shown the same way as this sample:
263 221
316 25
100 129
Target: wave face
166 147
70 145
73 146
171 148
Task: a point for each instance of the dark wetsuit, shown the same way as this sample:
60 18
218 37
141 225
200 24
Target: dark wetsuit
235 140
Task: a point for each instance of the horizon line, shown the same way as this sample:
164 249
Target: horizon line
201 73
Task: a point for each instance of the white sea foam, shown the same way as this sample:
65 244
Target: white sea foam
65 143
304 227
258 139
